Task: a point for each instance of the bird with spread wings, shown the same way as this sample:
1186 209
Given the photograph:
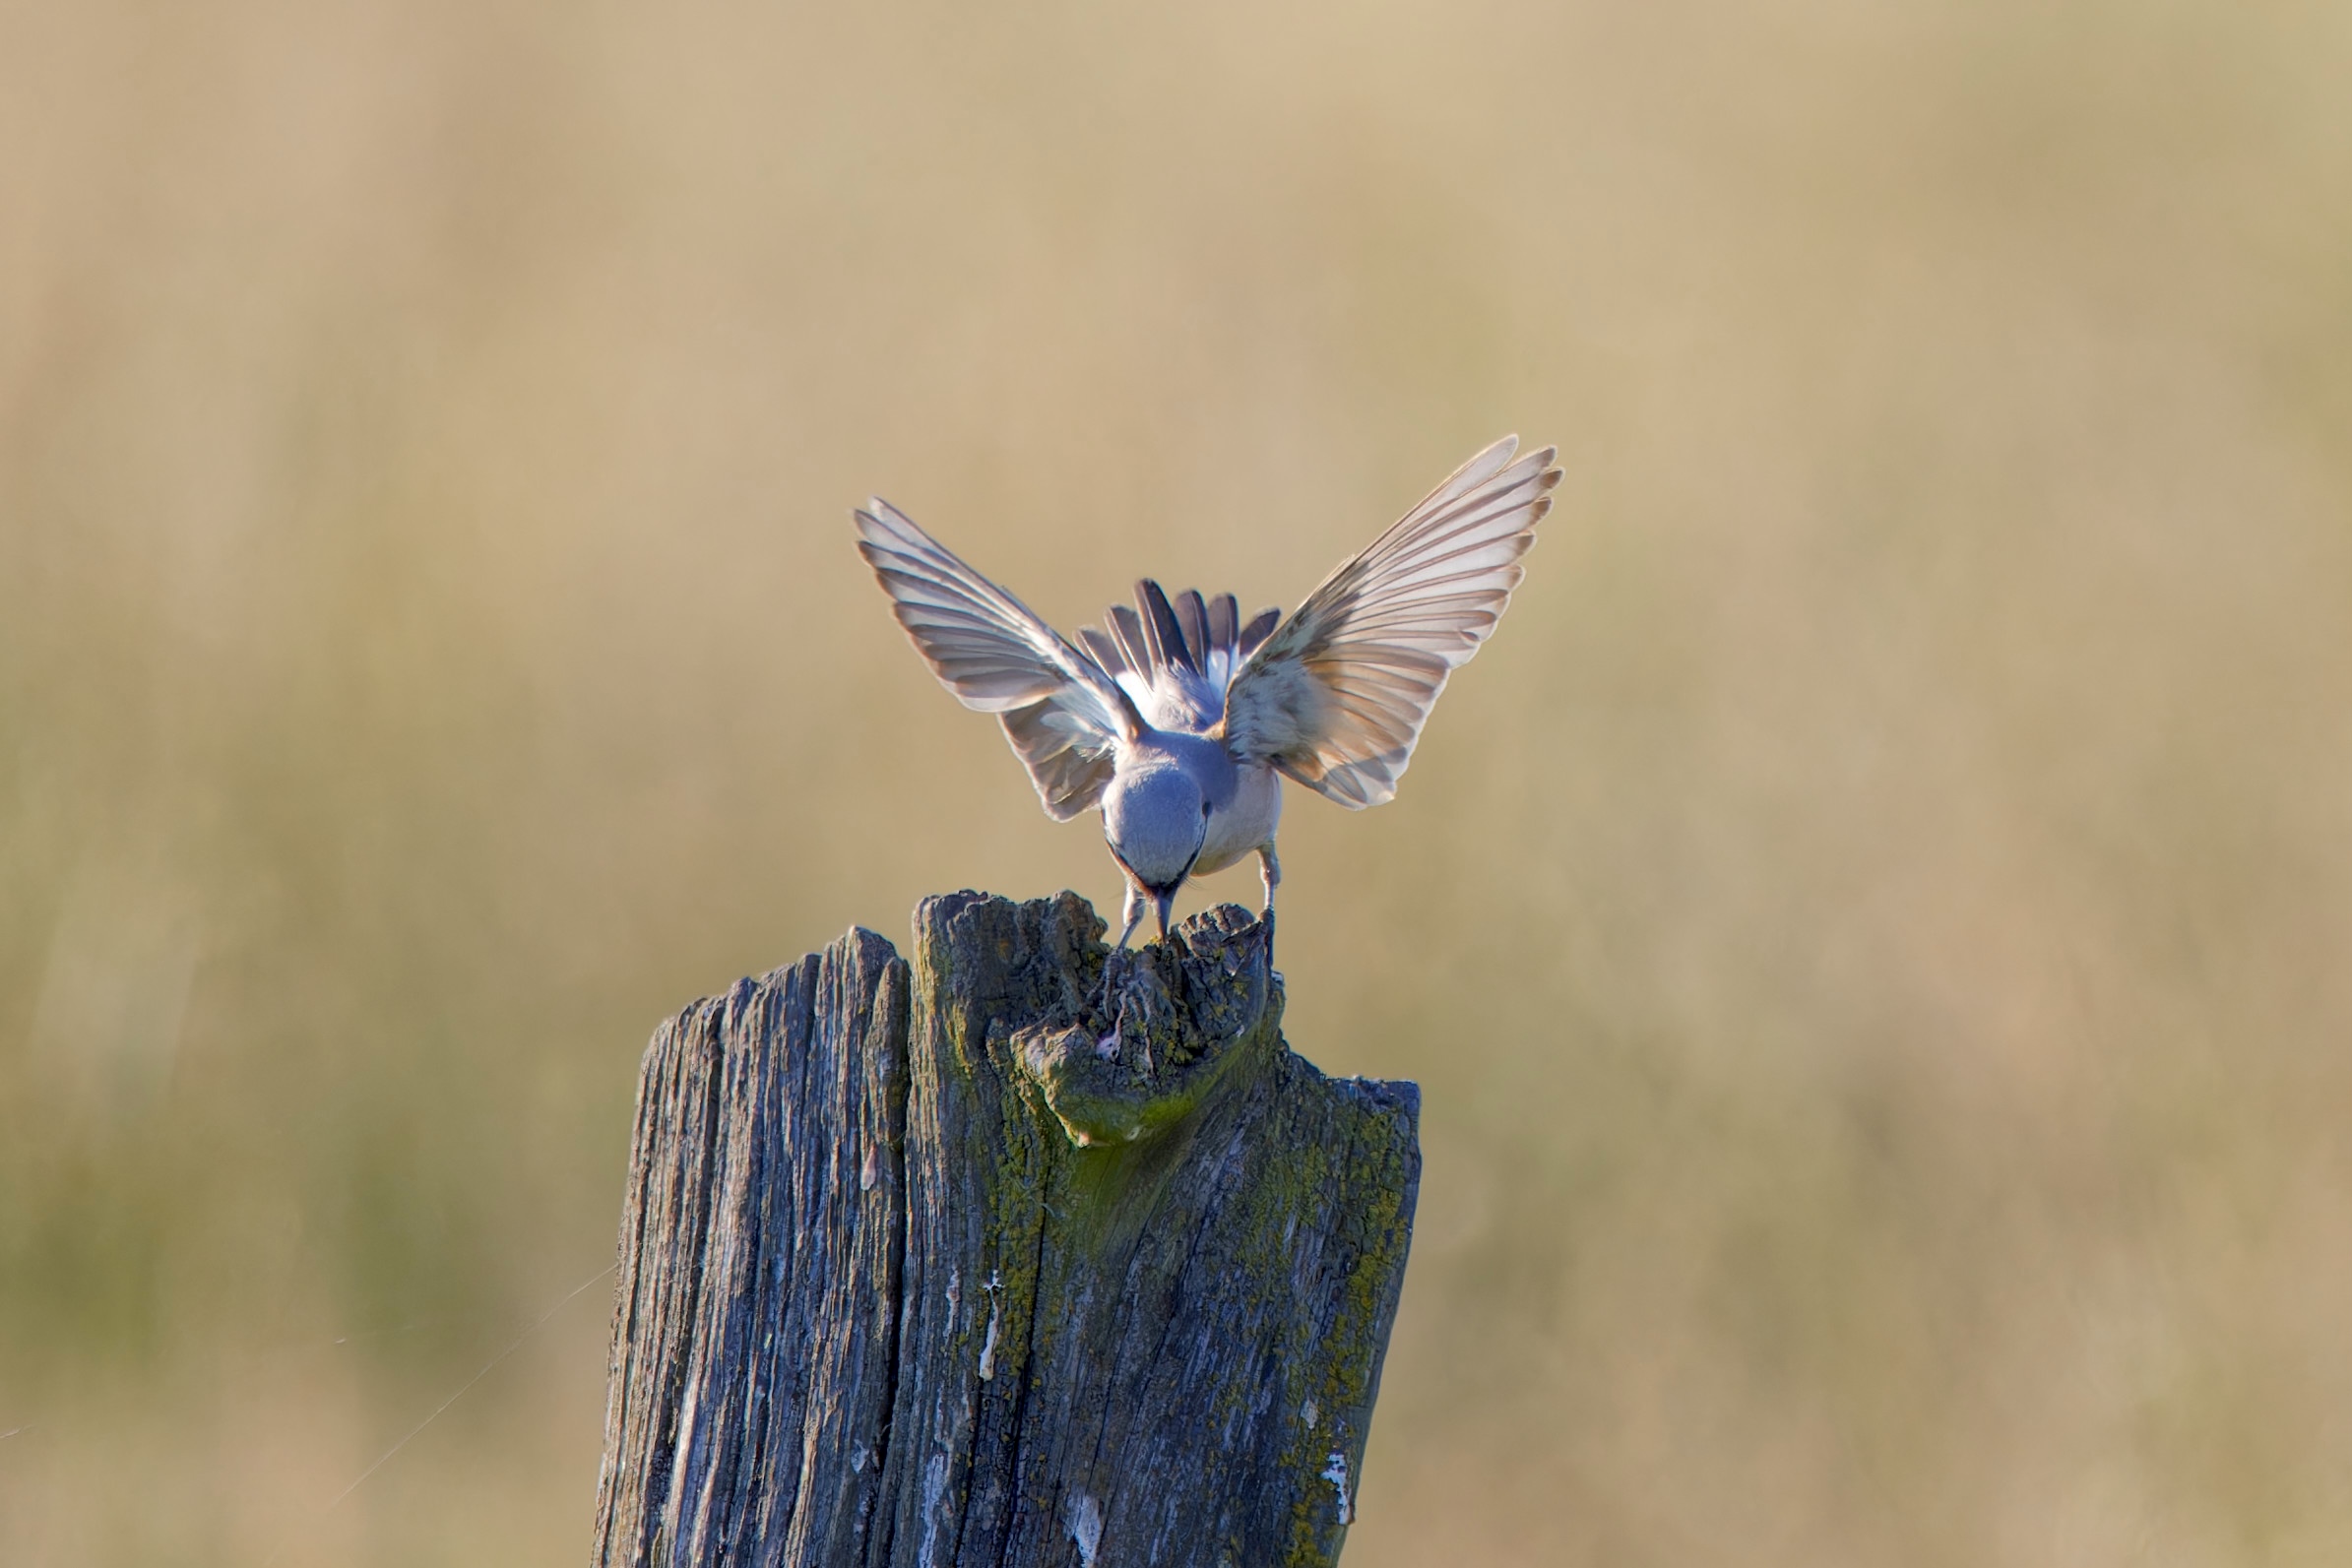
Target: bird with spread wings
1180 721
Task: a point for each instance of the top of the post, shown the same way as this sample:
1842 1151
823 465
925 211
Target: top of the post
1122 1043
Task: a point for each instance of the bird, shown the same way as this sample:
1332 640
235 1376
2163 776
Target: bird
1179 721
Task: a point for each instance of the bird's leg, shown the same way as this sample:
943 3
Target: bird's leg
1114 966
1270 869
1132 914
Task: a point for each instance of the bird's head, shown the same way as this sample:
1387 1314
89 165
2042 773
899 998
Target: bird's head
1155 819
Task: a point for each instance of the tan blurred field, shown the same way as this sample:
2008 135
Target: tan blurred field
1875 929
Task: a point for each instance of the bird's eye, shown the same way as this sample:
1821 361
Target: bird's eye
1204 811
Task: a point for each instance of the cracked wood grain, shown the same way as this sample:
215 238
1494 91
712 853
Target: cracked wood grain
1025 1254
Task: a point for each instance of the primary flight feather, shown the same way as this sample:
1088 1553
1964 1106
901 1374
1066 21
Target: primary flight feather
1180 719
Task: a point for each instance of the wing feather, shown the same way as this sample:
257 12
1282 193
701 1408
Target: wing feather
1336 696
1061 706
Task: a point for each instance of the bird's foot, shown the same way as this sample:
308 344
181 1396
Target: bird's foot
1111 999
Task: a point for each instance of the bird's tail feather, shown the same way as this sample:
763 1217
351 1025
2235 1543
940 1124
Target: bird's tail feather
1185 633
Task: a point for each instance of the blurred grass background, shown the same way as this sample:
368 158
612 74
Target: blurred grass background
1872 929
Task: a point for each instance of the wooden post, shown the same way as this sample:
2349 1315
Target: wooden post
1030 1254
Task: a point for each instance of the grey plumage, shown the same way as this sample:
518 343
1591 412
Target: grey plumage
1178 718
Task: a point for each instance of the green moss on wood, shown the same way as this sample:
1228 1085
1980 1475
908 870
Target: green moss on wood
1150 1261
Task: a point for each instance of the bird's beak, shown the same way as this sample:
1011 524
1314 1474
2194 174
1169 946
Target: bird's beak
1162 903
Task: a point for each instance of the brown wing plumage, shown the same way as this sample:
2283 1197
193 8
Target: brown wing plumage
1337 697
1062 712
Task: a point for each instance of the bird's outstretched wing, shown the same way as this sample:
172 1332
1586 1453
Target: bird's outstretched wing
1064 715
1337 696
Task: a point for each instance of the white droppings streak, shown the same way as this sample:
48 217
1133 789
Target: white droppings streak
988 1351
935 1488
1086 1528
1336 1472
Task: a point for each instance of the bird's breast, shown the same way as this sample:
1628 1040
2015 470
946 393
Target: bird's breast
1243 822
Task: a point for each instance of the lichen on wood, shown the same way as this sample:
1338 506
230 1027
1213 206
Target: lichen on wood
1027 1253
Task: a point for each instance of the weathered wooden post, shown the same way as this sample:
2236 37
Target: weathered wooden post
1030 1254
